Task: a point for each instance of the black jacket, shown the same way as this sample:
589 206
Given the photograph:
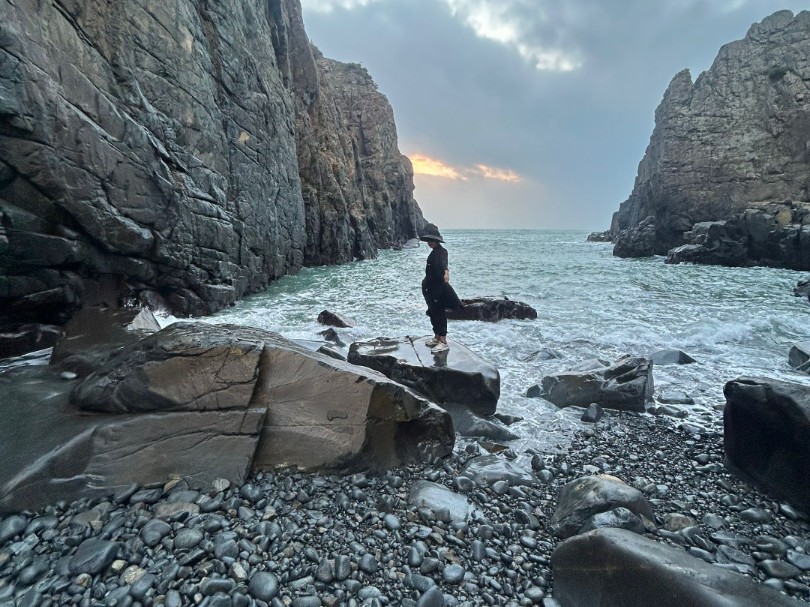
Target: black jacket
438 293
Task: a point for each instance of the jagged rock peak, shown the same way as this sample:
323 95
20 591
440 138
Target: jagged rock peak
733 139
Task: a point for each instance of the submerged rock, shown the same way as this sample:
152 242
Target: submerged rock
335 320
671 357
457 375
623 568
492 309
766 436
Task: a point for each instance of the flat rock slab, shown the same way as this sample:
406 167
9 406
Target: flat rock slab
766 436
610 567
203 402
492 309
456 376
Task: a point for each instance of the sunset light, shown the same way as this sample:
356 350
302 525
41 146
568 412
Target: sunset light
425 165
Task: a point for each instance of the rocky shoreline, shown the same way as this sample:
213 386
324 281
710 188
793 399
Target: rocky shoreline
308 540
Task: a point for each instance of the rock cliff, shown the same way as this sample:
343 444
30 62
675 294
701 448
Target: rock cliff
189 152
737 138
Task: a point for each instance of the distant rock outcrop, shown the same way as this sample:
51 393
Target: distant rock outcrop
735 139
193 151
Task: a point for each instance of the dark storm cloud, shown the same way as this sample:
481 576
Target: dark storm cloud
462 78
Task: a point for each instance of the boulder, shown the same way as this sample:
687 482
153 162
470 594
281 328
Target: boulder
587 496
799 356
618 567
766 436
636 241
600 236
492 309
671 357
802 289
331 319
203 402
626 385
455 376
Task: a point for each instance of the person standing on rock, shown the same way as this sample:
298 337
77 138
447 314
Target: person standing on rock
439 295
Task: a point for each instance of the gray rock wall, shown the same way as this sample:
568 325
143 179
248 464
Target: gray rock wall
734 139
148 147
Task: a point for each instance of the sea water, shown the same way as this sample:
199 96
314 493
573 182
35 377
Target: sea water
733 321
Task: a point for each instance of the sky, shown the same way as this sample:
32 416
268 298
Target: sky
527 113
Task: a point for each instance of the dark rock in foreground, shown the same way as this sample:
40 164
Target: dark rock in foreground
204 402
492 309
767 436
456 376
617 567
626 385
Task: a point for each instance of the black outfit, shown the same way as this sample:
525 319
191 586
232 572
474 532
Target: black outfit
439 295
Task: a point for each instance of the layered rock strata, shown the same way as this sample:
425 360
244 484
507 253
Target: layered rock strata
732 140
202 402
194 151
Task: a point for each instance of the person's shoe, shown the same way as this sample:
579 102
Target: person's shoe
430 343
439 347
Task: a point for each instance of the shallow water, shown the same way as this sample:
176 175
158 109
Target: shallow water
590 304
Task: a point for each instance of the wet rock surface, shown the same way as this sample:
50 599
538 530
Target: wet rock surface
353 539
492 309
457 375
626 385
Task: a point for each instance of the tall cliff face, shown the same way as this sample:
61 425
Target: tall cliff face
736 138
195 149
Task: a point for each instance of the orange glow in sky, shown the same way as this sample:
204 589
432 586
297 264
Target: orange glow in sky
425 165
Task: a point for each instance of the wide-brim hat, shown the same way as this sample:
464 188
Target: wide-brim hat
431 233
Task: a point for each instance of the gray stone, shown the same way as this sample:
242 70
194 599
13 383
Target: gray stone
263 586
618 518
461 377
93 556
425 494
606 564
584 497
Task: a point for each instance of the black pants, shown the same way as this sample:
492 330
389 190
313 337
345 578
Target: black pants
438 320
436 308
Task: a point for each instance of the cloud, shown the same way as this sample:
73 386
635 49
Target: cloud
425 165
507 175
505 22
327 6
